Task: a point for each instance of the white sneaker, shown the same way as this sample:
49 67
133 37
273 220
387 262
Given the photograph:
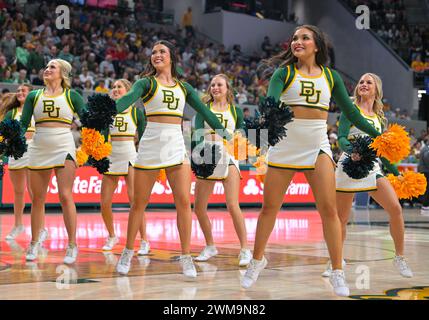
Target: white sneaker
14 247
252 272
143 261
338 281
43 235
16 231
110 243
32 251
42 252
144 248
71 254
124 264
207 253
110 258
328 270
424 211
244 257
188 266
401 264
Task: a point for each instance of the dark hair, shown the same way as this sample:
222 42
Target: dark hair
150 69
286 57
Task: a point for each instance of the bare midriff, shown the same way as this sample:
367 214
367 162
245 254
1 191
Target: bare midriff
309 113
29 135
122 138
53 125
165 119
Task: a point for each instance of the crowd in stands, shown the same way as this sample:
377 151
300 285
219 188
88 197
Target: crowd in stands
104 45
388 19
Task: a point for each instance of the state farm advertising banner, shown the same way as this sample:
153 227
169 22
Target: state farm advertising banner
87 188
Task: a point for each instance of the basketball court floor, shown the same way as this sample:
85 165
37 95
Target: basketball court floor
296 255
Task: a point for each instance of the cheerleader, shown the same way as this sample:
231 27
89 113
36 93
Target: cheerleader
220 100
368 96
18 172
53 148
305 84
121 134
162 146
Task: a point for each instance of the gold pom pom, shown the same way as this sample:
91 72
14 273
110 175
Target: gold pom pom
261 168
240 148
408 185
81 157
102 151
393 144
93 144
162 176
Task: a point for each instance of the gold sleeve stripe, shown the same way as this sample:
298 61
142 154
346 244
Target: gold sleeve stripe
150 89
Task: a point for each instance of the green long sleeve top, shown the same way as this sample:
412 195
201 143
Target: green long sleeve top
139 120
142 87
345 145
339 93
27 111
199 123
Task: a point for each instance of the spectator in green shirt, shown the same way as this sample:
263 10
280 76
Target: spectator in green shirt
36 59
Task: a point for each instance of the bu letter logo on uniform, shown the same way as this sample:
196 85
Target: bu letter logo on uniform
169 99
308 91
121 124
50 109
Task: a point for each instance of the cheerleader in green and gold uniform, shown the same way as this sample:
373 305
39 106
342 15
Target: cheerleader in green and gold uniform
18 169
368 96
162 146
220 100
122 134
53 148
304 83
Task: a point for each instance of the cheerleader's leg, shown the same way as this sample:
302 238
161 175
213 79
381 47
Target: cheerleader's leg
65 177
203 190
143 184
344 206
322 183
108 186
38 182
232 191
275 186
18 179
386 197
179 178
129 180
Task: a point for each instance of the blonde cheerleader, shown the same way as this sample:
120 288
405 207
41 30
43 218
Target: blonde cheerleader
368 95
220 100
53 148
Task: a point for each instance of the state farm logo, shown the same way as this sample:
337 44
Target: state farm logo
253 187
81 185
159 188
298 189
92 185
